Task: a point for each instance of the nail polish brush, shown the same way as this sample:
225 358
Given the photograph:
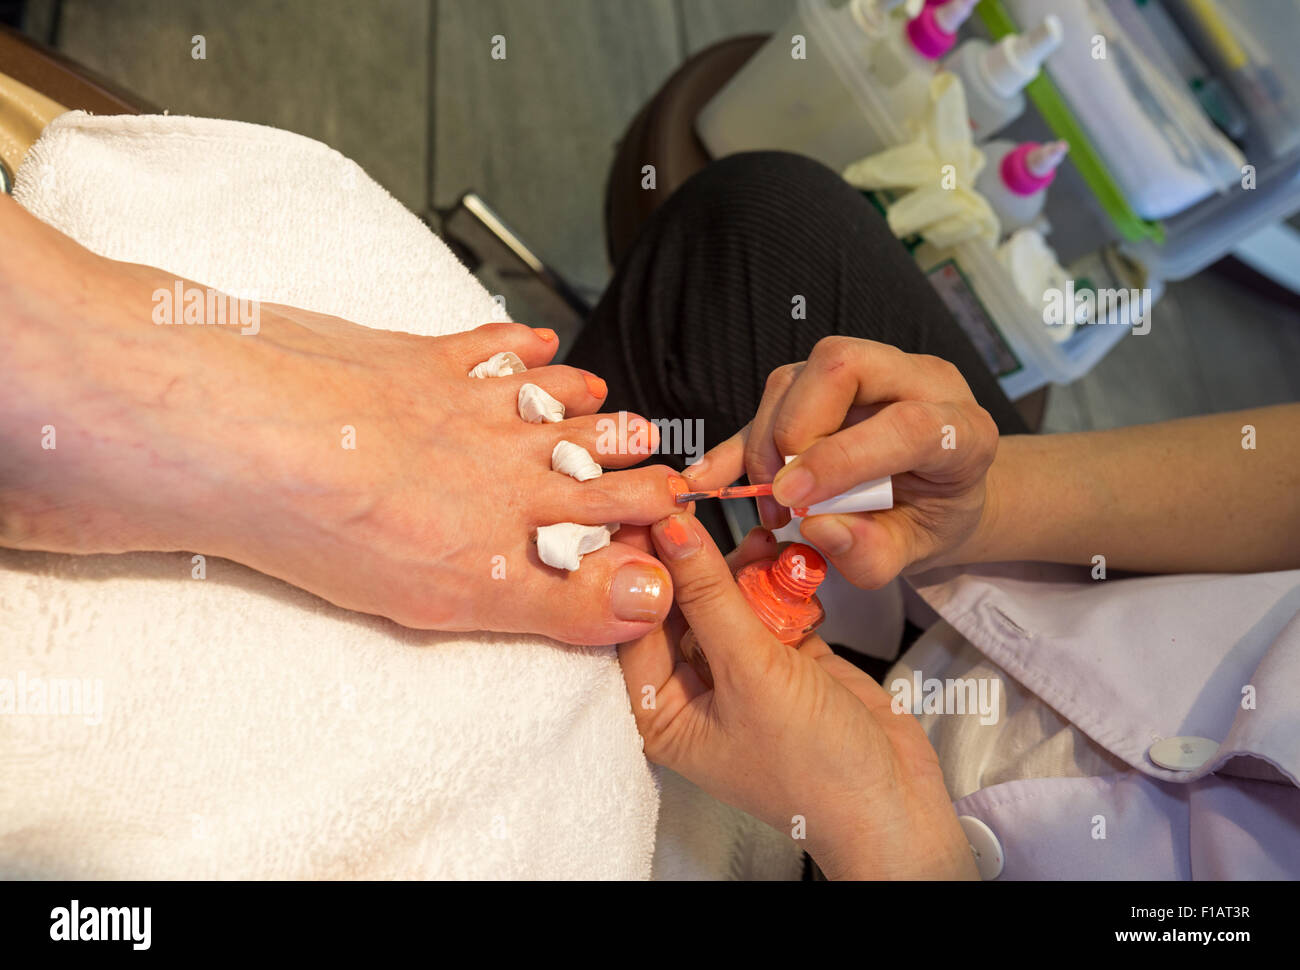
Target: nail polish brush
873 496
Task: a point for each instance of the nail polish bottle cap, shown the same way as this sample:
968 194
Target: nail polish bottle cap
799 570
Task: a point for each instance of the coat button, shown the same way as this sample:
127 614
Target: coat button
985 845
1183 753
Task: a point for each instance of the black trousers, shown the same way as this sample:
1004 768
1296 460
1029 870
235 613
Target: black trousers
700 310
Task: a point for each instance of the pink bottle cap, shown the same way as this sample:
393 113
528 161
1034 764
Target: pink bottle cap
933 31
1030 167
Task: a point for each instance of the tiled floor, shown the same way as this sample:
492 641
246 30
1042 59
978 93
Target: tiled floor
411 90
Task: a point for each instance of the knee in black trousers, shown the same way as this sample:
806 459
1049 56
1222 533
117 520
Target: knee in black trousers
744 269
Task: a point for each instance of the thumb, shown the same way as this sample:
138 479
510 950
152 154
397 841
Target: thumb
734 641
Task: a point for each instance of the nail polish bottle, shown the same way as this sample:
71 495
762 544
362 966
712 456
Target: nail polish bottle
782 591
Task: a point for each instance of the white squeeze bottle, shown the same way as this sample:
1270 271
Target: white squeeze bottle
873 16
995 75
904 65
1015 180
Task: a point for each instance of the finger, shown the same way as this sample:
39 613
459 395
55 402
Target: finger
738 647
814 647
534 346
613 440
762 457
722 465
869 548
638 496
844 371
620 593
579 391
662 689
758 544
909 436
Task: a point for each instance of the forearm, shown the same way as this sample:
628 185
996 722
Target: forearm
1179 496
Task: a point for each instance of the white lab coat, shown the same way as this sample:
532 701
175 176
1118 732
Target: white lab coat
1123 664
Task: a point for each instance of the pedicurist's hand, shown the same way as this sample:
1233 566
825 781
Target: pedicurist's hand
365 466
788 732
856 411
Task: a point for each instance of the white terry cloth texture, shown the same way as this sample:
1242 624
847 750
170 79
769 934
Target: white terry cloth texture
250 729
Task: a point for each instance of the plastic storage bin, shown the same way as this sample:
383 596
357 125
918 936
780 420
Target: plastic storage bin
1012 337
830 107
826 106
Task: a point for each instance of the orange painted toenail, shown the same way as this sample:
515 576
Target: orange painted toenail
545 333
595 385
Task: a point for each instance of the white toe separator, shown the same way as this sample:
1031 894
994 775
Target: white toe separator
499 365
575 461
537 406
563 545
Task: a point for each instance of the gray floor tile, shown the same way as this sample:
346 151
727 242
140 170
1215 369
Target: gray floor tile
353 75
1246 345
1214 346
535 133
704 22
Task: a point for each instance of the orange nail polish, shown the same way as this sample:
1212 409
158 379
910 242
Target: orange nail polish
782 591
595 385
676 531
677 485
545 333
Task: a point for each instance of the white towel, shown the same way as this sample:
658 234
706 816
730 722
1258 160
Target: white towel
251 730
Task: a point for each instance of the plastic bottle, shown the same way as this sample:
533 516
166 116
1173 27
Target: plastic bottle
905 63
873 15
1015 179
782 591
994 75
933 32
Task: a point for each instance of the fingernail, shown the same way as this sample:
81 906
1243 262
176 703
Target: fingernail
679 540
794 483
545 333
828 534
696 470
595 385
639 593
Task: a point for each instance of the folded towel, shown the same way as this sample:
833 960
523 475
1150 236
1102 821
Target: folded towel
249 729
